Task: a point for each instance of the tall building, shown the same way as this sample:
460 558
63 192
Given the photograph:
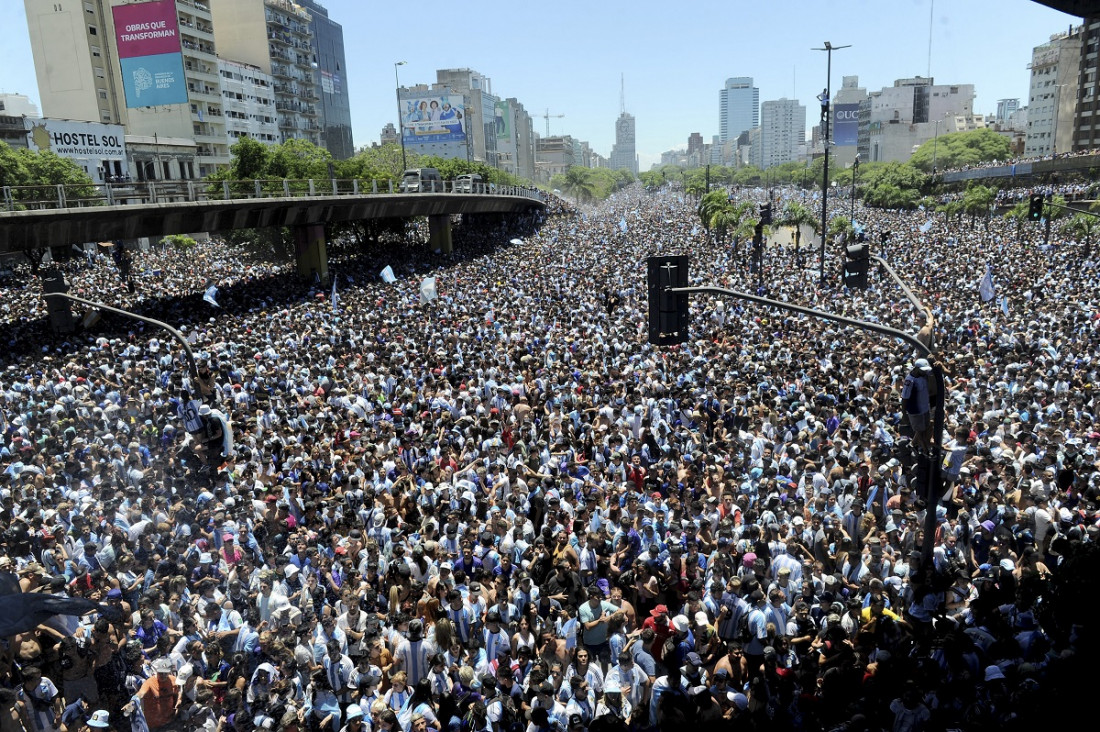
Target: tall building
18 105
332 86
1052 94
480 111
898 119
177 129
738 107
248 102
275 36
1086 127
1006 108
844 131
782 131
515 145
389 135
623 155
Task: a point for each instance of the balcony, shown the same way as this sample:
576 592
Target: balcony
281 38
281 71
279 54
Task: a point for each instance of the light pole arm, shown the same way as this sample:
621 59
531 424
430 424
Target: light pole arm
861 324
134 316
935 476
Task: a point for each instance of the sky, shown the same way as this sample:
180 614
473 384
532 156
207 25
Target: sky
566 56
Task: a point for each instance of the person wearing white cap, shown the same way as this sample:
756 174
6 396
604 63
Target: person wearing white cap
99 720
158 696
354 716
613 703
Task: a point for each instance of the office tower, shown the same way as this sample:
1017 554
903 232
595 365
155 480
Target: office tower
738 108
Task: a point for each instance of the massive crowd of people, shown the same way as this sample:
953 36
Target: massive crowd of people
502 509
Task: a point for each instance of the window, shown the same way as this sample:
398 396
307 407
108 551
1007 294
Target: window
92 31
99 73
95 51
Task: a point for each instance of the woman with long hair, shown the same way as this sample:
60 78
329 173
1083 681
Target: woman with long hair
420 704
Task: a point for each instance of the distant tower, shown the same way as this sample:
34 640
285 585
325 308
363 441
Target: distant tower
623 155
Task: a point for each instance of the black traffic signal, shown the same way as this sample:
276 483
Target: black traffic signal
59 309
668 311
1035 207
766 214
857 261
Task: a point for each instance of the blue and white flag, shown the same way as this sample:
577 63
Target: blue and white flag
1004 305
427 290
211 293
388 276
335 297
985 287
622 224
926 226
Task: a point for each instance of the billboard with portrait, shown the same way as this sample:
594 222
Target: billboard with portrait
502 115
428 119
148 41
845 124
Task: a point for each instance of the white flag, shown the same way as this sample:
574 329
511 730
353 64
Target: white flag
427 290
926 226
622 224
985 288
335 297
211 293
1004 305
387 275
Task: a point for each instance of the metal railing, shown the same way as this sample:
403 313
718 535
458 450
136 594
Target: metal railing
59 197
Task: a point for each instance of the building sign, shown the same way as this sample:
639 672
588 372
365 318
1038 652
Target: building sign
76 140
502 114
427 119
845 124
330 83
148 41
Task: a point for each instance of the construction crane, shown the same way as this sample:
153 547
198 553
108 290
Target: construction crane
547 117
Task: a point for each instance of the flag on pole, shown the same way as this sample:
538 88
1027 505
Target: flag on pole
211 293
427 290
985 288
1004 305
926 226
388 276
335 297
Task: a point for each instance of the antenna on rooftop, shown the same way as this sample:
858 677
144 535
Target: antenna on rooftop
622 93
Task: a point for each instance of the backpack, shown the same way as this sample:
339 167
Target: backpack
510 720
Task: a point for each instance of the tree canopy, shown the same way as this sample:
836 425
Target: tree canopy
959 149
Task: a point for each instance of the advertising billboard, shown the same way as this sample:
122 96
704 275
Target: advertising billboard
148 39
71 139
845 124
502 114
427 119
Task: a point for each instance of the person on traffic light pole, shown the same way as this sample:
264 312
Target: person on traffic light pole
917 399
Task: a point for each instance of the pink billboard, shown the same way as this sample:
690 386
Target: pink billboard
147 29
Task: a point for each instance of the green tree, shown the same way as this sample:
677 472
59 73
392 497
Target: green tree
179 242
1018 214
299 160
251 159
796 215
1082 227
958 149
840 225
978 202
578 182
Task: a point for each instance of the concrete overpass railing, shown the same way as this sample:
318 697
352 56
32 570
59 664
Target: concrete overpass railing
62 197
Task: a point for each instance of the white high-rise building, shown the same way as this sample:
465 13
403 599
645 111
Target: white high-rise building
782 131
249 102
1052 97
17 105
738 107
623 155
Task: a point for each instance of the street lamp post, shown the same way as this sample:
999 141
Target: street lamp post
824 99
855 182
400 126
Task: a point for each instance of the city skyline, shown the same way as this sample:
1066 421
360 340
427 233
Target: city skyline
670 93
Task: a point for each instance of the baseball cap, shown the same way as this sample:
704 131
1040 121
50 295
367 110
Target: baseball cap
162 666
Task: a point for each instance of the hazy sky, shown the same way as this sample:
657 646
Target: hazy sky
567 55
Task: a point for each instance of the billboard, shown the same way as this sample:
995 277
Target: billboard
845 124
148 40
71 139
427 119
502 114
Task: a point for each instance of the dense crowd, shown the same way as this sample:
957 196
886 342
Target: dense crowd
502 509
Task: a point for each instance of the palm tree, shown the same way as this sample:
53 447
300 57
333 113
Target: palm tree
796 216
578 181
711 204
1082 227
1018 213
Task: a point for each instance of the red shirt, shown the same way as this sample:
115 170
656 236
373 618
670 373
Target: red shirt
661 633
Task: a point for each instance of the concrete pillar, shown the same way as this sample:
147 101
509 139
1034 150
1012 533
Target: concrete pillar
439 234
310 252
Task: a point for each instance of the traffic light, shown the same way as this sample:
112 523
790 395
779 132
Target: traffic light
668 311
1035 207
856 263
766 214
59 309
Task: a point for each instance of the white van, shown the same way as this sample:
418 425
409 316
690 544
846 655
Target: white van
468 183
421 180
